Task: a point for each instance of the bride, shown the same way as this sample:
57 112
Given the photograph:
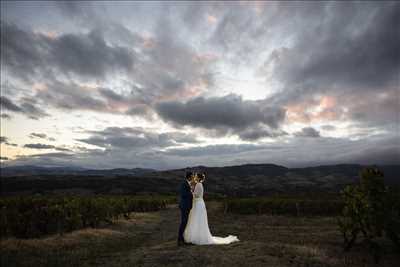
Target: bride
197 231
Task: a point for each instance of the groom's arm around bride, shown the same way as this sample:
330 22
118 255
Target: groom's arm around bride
185 205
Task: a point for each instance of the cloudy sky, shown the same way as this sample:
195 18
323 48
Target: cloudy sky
167 85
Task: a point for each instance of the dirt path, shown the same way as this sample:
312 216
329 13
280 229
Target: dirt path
159 247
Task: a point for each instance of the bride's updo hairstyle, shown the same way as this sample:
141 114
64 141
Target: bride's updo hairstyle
201 177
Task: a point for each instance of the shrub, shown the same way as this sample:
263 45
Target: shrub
370 210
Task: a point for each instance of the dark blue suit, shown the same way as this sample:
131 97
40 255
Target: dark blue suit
185 204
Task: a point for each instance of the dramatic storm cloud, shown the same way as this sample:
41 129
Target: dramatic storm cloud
308 132
167 85
29 54
222 113
133 138
27 107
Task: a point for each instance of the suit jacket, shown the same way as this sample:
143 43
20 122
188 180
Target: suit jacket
186 197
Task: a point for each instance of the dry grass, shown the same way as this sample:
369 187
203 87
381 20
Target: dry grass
85 247
150 240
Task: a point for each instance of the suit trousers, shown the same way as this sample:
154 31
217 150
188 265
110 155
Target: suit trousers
184 220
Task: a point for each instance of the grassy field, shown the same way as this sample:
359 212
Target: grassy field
149 239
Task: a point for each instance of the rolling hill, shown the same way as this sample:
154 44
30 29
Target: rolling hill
241 180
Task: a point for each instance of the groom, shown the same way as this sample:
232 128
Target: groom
185 204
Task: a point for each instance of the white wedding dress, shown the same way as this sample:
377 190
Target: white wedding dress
197 231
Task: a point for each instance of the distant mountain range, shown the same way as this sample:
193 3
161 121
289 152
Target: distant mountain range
242 180
28 170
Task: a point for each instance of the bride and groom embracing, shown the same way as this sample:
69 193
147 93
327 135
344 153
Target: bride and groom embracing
194 222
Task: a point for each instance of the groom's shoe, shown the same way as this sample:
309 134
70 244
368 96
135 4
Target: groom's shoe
180 243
